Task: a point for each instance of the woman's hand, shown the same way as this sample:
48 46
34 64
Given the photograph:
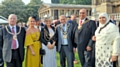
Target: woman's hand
94 38
113 58
50 46
33 53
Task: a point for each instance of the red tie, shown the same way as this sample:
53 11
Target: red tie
13 40
80 22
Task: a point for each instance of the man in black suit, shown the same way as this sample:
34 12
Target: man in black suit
112 19
12 43
83 32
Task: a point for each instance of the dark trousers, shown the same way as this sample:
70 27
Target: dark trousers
115 63
93 56
1 60
65 53
85 58
15 61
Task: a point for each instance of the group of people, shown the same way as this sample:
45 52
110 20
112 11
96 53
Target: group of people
97 45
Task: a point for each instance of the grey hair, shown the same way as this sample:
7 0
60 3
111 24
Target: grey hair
12 15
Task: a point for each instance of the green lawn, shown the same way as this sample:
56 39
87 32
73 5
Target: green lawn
75 65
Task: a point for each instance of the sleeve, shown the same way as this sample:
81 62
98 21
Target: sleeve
1 42
42 37
116 44
91 42
1 39
72 36
28 40
55 37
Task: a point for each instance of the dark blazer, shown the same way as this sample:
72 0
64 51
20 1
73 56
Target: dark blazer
83 37
112 21
6 42
69 38
42 35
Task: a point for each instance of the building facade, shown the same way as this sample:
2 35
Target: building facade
112 7
55 10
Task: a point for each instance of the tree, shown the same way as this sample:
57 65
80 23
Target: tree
35 2
11 7
82 2
19 8
55 1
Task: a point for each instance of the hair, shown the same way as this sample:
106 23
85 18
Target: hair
31 17
47 19
12 15
62 16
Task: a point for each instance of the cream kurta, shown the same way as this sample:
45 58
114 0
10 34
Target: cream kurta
107 44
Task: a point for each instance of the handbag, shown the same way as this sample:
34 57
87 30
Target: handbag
42 51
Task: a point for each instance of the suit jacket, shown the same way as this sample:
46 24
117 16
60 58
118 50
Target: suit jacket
83 37
6 42
58 38
113 22
42 35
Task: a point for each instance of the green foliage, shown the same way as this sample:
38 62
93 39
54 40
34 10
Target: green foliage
19 8
35 2
83 2
55 1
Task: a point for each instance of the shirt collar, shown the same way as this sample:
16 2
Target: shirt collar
12 26
83 20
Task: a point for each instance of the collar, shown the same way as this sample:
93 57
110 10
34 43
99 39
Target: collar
12 26
83 20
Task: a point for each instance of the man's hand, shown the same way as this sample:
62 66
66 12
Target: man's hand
88 48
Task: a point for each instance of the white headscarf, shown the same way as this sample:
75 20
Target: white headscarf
103 15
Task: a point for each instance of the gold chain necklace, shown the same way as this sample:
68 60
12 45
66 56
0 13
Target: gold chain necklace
14 35
46 36
65 32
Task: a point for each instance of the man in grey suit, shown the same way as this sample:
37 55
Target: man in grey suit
64 42
12 42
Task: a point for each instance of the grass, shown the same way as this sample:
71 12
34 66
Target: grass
75 65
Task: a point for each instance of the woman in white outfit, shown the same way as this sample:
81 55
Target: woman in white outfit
47 39
107 42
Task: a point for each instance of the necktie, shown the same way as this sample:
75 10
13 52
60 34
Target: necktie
80 22
13 40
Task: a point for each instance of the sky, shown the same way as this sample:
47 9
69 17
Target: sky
27 1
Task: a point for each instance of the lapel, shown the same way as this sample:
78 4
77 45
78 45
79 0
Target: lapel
8 27
17 30
83 25
46 28
68 27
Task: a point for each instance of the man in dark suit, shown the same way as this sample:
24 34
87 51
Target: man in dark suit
65 45
83 32
12 43
112 20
